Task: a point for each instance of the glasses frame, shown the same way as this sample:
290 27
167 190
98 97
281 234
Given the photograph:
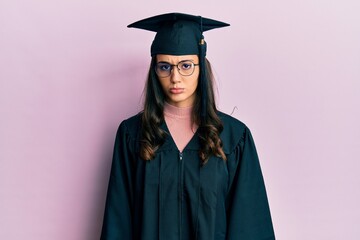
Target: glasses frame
178 68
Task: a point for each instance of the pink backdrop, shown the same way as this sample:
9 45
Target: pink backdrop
70 71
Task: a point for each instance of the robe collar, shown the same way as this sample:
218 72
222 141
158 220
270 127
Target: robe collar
169 144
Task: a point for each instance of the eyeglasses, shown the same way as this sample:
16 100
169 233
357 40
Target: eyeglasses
185 68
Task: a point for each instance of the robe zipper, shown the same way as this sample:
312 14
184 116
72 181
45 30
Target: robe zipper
181 179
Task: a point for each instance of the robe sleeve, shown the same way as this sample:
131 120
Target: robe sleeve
117 223
248 212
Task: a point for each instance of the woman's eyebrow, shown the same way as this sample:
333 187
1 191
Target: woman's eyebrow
163 62
185 60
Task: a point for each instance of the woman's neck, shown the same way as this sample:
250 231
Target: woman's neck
180 124
177 112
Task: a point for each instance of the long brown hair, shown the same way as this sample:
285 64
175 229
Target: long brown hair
210 126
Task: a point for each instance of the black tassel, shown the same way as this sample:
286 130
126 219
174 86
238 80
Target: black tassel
203 75
203 78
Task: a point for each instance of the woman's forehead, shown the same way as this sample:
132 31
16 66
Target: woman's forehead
175 58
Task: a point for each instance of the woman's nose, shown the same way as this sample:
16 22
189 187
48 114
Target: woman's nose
175 76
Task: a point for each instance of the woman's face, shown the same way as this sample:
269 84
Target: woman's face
180 91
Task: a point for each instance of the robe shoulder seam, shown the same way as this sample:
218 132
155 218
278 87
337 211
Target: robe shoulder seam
233 134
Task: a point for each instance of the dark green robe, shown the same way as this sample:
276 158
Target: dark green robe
173 197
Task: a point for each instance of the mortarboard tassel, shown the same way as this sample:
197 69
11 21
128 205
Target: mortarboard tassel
203 75
203 79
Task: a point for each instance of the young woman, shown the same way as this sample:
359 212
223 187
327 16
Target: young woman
182 169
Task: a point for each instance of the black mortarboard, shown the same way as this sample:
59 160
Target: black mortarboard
181 34
177 33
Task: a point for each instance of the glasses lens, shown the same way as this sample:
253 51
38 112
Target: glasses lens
186 68
163 69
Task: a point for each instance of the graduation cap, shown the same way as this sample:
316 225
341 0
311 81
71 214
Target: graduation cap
181 34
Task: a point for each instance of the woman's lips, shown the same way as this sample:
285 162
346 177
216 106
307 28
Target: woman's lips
176 90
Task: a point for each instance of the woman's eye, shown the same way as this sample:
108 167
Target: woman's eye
186 66
164 67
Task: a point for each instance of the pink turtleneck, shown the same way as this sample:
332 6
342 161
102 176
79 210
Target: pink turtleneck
178 121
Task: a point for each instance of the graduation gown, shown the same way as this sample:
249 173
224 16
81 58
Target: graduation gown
173 197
